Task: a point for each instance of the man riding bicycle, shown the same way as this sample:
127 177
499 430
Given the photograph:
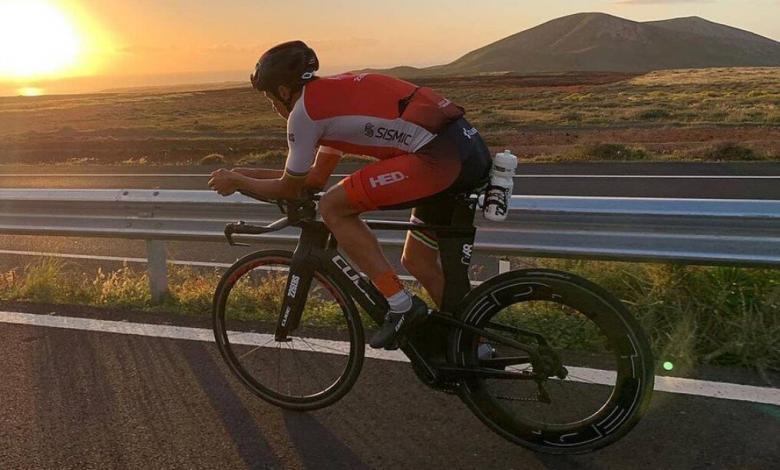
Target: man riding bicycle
425 148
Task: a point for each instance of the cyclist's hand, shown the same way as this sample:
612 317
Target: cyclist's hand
223 181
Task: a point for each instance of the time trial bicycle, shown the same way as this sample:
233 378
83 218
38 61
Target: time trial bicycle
544 358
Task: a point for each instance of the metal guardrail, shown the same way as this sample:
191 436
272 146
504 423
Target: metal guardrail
694 231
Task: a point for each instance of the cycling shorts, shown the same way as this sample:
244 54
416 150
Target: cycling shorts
456 160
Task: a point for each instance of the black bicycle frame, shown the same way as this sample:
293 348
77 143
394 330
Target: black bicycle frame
318 248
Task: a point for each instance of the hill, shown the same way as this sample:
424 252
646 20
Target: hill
601 42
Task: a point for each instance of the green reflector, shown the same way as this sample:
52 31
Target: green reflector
668 365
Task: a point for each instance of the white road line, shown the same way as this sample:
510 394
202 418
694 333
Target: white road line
205 175
704 388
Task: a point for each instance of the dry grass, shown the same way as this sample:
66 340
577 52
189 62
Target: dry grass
662 113
694 314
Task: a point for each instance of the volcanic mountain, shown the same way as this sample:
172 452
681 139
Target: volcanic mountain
601 42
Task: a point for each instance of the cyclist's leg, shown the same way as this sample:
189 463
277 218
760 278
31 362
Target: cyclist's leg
397 182
421 250
353 235
422 261
394 183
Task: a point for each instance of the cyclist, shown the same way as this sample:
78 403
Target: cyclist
424 146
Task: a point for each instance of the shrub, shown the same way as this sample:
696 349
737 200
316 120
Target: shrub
572 117
653 114
614 152
212 159
732 152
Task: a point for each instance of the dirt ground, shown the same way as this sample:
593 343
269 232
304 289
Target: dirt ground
665 115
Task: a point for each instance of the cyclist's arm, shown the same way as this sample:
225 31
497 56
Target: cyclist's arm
260 173
324 164
286 187
303 135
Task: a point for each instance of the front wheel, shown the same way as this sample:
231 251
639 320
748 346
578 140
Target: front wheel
594 379
316 364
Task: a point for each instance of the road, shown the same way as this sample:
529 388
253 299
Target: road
87 399
673 180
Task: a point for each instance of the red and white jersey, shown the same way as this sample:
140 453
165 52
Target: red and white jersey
357 114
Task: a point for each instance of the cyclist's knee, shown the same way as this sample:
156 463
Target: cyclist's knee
335 204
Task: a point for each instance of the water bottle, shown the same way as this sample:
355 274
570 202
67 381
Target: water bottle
499 192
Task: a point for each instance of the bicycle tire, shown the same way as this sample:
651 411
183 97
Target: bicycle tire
273 261
630 351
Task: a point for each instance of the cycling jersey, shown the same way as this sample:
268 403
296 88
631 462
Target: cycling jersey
363 114
423 144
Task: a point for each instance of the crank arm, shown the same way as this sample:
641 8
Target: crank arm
533 351
504 362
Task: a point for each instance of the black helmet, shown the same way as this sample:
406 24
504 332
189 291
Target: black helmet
291 64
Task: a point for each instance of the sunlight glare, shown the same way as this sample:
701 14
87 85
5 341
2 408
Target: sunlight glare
30 91
36 38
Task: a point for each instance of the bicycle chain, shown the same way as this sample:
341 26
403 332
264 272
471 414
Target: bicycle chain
535 399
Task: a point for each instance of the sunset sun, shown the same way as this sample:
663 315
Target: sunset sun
36 39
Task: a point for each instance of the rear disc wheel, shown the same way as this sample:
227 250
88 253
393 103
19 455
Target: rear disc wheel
595 378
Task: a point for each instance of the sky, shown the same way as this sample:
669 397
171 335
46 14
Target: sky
84 45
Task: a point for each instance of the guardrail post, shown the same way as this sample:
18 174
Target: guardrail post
158 269
503 266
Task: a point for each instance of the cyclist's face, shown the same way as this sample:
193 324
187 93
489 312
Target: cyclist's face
278 106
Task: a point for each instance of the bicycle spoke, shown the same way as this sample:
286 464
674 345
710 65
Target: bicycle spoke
288 381
255 349
323 346
295 358
319 382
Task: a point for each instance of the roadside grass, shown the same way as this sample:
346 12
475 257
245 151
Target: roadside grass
692 314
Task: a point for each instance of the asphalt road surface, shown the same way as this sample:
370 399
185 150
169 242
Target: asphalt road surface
671 180
85 399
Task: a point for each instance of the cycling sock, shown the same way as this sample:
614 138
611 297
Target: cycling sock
400 302
390 286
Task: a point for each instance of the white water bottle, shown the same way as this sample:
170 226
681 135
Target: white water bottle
499 191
